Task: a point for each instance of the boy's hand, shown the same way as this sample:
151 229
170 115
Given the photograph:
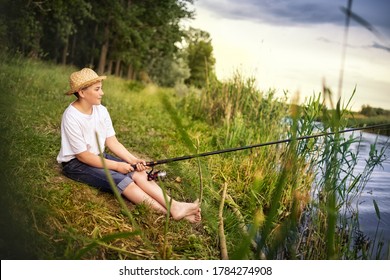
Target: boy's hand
124 167
140 166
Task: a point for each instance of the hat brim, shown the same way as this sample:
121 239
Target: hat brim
86 84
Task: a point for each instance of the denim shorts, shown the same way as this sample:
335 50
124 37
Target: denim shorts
96 177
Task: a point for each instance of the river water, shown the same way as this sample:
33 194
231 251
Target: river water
377 188
374 229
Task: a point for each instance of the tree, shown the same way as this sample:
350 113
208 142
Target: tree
369 111
161 31
199 57
133 35
62 22
171 72
24 25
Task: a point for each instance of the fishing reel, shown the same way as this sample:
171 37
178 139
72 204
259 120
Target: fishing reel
156 175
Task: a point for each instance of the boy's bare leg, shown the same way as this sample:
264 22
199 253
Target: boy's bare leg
136 195
153 194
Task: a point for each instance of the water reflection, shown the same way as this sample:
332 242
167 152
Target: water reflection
377 188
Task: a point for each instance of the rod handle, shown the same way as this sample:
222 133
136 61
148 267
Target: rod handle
149 163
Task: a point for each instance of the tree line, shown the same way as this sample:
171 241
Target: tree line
369 111
135 39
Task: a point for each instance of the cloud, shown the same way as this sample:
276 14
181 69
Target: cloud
281 12
300 12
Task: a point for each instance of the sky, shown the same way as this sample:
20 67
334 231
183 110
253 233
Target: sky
297 46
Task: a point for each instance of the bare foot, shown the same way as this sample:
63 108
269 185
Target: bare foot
180 210
195 218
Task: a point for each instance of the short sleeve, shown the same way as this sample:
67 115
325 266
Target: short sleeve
73 132
108 123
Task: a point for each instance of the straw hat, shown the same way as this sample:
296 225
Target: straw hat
83 78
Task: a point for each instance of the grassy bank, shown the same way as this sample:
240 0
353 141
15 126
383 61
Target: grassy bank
256 200
49 216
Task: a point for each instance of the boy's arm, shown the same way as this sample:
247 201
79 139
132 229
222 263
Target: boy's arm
119 150
95 161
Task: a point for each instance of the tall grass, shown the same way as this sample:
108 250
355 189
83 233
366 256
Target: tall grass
295 199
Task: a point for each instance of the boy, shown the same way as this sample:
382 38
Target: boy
79 154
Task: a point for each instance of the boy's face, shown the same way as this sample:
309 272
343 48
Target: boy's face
93 94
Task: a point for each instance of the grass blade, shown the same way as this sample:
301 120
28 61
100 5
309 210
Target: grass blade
378 213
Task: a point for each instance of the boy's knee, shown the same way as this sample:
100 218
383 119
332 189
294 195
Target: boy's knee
139 175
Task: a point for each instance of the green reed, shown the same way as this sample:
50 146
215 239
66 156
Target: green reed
296 198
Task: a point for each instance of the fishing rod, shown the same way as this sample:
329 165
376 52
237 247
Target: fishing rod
154 176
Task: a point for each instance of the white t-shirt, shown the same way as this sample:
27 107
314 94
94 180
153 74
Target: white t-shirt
78 131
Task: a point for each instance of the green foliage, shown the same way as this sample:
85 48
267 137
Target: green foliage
134 36
369 111
170 72
199 54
